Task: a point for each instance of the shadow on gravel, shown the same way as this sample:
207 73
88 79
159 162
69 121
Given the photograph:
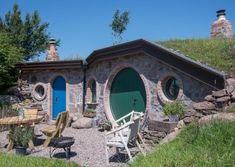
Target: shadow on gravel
119 158
61 155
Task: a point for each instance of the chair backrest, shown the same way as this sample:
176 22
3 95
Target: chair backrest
30 112
61 123
135 127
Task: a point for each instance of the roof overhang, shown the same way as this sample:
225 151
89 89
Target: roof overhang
198 71
50 65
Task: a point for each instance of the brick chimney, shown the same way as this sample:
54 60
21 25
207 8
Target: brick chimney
52 54
221 28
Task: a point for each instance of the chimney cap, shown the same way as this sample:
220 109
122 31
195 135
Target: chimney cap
52 41
221 12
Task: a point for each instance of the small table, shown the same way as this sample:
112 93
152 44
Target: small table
62 142
16 121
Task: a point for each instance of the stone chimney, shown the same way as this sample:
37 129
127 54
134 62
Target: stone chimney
52 54
221 28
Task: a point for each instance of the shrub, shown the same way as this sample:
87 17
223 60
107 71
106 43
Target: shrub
174 108
21 135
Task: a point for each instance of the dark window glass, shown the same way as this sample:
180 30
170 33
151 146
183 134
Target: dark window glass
171 88
93 92
40 91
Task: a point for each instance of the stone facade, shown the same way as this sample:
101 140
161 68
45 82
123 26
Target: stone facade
29 80
151 72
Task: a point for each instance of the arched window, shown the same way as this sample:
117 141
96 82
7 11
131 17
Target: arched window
93 92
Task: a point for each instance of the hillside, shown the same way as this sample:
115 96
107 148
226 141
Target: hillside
210 145
215 53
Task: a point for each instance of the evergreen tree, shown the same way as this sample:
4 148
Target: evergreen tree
30 33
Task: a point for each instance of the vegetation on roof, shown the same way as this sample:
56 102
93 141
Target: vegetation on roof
216 53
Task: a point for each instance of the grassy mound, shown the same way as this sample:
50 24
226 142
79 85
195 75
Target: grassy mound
213 52
211 145
11 160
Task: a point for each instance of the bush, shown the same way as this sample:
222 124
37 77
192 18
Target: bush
174 108
21 135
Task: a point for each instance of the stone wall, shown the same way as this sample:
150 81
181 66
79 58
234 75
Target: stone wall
74 87
151 72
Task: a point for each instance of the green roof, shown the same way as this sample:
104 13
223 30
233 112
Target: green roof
215 53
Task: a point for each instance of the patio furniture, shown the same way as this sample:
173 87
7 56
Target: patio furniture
62 142
30 112
125 135
16 121
57 129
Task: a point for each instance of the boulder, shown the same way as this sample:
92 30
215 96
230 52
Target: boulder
223 99
219 93
190 112
204 106
230 89
188 120
180 124
219 116
231 81
82 123
209 98
233 96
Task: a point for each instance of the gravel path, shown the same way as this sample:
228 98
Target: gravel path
88 149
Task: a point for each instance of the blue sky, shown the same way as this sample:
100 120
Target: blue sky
83 25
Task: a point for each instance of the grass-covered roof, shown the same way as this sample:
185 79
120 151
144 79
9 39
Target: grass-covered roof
216 53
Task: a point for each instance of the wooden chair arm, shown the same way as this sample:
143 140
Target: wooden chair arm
120 128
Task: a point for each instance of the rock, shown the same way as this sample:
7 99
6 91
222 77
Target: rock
223 99
230 89
231 81
209 98
219 93
82 123
180 124
13 91
190 112
188 120
219 116
233 96
170 137
199 115
204 106
208 112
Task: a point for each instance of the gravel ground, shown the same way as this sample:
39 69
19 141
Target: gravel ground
88 149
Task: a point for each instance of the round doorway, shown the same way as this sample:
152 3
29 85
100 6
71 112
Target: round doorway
127 93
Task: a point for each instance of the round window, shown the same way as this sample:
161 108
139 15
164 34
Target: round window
171 88
39 92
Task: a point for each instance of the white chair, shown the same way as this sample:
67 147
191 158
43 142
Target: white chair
126 133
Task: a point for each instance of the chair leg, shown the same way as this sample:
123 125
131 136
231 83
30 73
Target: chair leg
47 142
31 145
10 145
129 153
141 150
142 141
107 155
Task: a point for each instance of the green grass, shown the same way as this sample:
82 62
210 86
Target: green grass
213 52
11 160
211 145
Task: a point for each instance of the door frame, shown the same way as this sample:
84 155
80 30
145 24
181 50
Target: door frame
50 93
108 84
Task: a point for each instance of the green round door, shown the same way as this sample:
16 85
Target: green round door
127 93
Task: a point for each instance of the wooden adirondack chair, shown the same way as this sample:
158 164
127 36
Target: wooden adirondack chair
125 134
57 129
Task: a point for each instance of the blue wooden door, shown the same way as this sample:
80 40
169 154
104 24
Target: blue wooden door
59 96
